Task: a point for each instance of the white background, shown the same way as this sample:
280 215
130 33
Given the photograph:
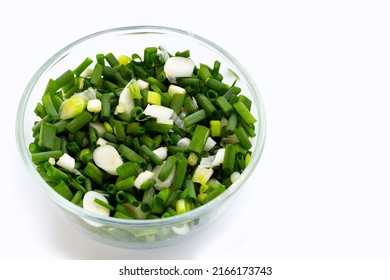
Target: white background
322 188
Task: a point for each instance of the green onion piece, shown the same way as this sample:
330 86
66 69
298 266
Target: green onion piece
122 81
216 191
151 155
148 184
199 139
185 53
86 155
195 118
40 110
121 197
157 209
181 206
245 100
232 91
157 127
249 128
92 135
244 113
72 107
94 173
154 98
51 88
206 104
77 123
167 168
105 112
147 200
177 102
202 175
96 74
189 186
104 204
162 196
125 184
173 197
77 197
192 82
189 106
149 52
65 78
169 212
226 107
229 159
119 130
132 156
180 173
82 66
111 59
218 86
77 185
204 72
192 159
127 170
212 95
73 147
56 174
215 128
158 139
63 189
44 156
232 124
242 138
49 107
88 184
120 215
111 189
100 59
167 139
147 141
217 66
47 135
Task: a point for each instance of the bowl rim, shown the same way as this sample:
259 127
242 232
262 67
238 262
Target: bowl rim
147 223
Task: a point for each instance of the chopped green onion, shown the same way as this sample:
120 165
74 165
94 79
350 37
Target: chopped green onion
199 139
135 137
229 159
244 113
63 189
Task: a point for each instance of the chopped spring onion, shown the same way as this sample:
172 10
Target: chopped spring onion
142 137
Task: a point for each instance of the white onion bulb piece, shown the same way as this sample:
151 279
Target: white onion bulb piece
107 158
178 67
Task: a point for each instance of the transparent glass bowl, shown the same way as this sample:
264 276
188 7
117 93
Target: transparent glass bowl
128 40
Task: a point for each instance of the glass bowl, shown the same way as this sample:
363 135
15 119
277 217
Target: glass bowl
127 40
